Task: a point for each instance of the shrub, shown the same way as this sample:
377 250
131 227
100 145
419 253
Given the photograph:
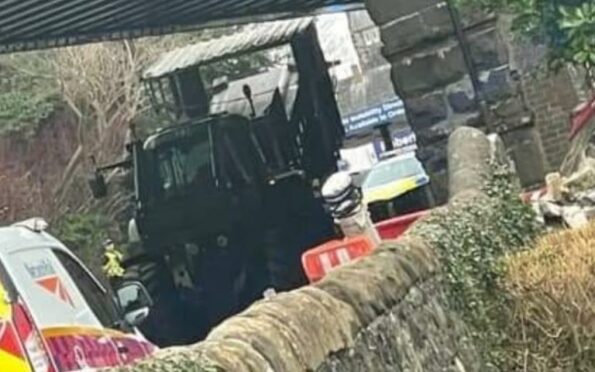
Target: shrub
553 291
28 93
21 112
472 238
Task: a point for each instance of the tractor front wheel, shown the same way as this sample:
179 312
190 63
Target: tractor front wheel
169 321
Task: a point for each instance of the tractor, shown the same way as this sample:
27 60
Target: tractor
227 194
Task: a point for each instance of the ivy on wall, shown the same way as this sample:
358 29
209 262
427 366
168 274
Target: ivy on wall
472 240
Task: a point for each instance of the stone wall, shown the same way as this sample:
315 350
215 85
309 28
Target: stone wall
411 337
430 74
552 98
366 39
386 312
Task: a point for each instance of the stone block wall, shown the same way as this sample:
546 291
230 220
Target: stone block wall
386 312
430 74
411 337
552 98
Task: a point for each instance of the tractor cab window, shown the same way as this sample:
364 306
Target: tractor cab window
185 164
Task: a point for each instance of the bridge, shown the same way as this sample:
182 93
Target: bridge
37 24
390 311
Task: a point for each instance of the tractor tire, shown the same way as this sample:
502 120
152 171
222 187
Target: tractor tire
167 323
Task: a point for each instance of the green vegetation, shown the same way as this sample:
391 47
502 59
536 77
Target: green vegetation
20 112
28 93
528 300
472 240
566 27
174 363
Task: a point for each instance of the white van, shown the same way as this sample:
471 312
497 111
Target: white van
55 315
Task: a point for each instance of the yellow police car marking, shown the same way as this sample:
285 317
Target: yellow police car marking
391 190
9 362
5 306
82 331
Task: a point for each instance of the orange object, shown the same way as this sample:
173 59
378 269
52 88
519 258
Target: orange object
533 196
318 261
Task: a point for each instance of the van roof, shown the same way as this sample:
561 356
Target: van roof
16 238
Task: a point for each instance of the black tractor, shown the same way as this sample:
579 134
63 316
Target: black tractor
226 196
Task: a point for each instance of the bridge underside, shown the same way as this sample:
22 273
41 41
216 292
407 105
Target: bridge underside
36 24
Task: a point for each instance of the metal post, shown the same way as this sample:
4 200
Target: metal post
386 137
350 213
467 57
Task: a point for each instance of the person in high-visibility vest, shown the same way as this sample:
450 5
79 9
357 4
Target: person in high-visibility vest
113 260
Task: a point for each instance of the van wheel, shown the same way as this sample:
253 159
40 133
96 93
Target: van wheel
166 324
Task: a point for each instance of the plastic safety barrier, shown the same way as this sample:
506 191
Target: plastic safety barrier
318 261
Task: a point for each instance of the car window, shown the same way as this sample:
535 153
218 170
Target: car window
393 170
50 292
98 299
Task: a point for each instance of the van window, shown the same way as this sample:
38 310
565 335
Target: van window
98 299
50 292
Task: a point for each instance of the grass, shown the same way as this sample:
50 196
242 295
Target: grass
552 293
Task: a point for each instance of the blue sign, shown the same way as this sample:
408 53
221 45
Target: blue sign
383 113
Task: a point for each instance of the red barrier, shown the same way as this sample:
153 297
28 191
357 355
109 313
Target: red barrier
395 227
581 117
318 261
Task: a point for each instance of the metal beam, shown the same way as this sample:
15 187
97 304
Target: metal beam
38 24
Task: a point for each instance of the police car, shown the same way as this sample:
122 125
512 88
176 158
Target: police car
55 315
397 185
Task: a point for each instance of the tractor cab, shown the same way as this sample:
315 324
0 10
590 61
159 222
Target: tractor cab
289 102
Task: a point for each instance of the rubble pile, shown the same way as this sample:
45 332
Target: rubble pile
567 201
